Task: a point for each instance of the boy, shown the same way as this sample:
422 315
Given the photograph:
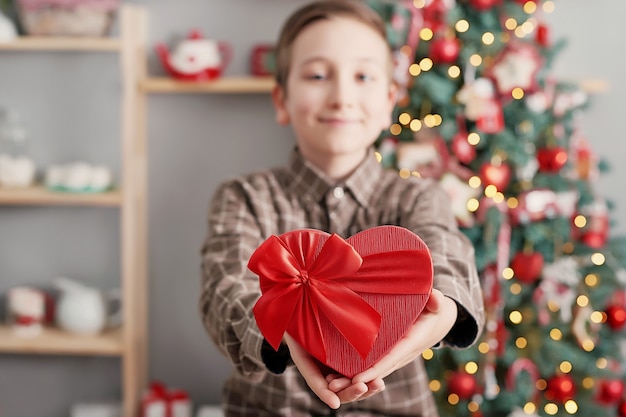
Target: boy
334 87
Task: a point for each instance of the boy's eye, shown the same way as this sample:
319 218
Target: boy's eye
364 77
316 76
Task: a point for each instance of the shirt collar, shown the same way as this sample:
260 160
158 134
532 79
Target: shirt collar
311 183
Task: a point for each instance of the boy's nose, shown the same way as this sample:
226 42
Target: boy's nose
342 93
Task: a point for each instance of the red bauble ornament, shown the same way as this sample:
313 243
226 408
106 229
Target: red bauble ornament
610 391
542 36
462 149
551 160
527 266
594 240
444 50
462 384
615 316
483 5
561 388
496 174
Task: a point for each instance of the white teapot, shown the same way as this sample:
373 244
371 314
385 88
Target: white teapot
85 310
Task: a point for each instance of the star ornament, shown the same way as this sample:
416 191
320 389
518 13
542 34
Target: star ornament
517 65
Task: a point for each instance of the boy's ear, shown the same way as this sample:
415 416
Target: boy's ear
278 98
392 99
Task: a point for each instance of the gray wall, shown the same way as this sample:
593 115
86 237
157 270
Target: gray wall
195 141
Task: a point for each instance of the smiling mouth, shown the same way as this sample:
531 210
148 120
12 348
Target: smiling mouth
338 121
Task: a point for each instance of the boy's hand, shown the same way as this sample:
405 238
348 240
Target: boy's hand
430 328
332 389
438 317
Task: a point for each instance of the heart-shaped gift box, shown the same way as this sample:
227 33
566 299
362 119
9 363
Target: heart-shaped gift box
347 302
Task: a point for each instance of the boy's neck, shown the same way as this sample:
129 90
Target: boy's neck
339 167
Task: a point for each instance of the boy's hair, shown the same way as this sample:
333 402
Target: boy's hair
313 12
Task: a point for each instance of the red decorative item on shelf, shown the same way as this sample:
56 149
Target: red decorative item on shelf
527 266
552 159
195 58
483 5
347 302
615 316
462 384
561 388
497 174
610 391
262 60
159 401
444 50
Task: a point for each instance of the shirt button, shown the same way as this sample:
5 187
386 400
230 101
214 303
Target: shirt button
338 192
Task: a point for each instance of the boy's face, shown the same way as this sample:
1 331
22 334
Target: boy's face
338 95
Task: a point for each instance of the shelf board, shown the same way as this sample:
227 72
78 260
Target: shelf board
57 342
41 196
54 43
228 85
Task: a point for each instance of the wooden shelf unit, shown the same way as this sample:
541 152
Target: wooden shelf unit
56 342
67 44
224 85
41 196
129 342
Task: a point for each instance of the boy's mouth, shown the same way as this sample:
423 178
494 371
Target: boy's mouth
338 121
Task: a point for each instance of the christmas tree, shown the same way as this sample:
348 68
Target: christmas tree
480 112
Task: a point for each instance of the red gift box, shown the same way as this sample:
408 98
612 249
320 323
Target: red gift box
160 401
347 302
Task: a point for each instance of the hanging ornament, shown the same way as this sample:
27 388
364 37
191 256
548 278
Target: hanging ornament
542 35
481 104
518 366
583 159
615 316
434 13
527 266
610 391
551 159
561 388
460 193
462 384
596 233
495 173
444 50
461 148
583 328
483 5
515 66
557 285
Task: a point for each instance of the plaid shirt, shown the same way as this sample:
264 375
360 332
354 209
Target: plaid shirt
245 211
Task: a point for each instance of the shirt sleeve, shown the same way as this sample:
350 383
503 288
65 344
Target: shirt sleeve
228 289
455 274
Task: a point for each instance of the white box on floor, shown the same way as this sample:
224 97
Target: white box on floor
96 410
210 411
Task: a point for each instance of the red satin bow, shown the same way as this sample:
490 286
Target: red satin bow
301 281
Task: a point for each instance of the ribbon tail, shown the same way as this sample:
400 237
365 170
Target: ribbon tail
342 315
305 328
